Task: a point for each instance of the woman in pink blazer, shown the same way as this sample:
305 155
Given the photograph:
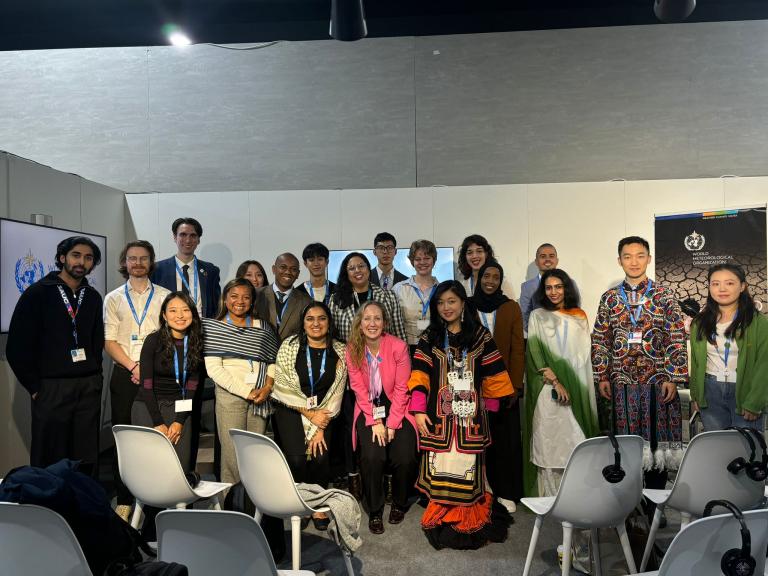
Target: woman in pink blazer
379 368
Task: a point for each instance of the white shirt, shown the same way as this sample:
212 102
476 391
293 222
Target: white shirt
412 306
180 284
390 276
119 324
317 294
715 356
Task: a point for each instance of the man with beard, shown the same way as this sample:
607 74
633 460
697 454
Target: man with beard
131 312
54 347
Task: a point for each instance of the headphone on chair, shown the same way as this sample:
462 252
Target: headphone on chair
756 470
614 473
736 561
763 464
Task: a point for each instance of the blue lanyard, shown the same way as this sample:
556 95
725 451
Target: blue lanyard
183 383
424 303
450 354
312 291
248 321
484 320
309 369
184 280
727 345
72 313
471 285
368 299
562 342
146 306
634 316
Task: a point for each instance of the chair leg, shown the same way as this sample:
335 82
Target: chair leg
567 542
295 542
348 563
594 540
685 519
622 530
136 519
651 537
532 545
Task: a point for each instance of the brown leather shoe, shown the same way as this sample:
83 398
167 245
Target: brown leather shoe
376 524
355 486
396 515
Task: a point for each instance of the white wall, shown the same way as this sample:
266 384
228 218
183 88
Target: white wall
583 220
26 188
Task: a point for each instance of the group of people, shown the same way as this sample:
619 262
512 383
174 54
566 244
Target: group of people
409 382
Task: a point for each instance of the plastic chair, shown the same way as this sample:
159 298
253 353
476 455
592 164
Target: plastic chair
697 550
36 540
216 542
269 483
586 500
150 469
703 476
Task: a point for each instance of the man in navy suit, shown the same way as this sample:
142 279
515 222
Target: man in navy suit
184 272
385 249
546 259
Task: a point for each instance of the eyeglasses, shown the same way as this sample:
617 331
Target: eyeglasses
356 268
386 248
134 259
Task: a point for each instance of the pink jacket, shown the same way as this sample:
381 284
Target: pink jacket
395 369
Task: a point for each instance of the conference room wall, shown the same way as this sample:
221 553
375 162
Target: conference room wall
27 187
584 220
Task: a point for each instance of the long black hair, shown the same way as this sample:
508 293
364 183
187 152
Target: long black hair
225 292
243 268
302 335
195 333
571 295
435 332
464 267
706 321
344 294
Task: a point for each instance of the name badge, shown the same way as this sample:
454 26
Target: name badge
422 324
379 412
136 343
252 378
311 402
78 355
183 405
635 337
723 375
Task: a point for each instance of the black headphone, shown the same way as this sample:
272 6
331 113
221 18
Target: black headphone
755 470
614 473
762 466
736 561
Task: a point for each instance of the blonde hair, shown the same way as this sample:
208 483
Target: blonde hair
356 341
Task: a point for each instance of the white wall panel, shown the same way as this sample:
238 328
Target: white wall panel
740 192
104 213
4 184
141 218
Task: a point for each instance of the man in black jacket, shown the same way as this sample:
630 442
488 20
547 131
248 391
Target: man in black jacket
54 347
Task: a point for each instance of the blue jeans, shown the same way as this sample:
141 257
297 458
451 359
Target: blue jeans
720 412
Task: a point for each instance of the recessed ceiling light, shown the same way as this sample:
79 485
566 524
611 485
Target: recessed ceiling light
179 39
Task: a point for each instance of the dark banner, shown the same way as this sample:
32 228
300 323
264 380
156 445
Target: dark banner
688 244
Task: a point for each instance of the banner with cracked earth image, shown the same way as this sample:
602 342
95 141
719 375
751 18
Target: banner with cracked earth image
688 244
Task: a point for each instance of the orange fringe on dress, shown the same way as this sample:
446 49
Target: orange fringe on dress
464 519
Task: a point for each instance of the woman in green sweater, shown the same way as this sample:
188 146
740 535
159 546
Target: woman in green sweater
729 354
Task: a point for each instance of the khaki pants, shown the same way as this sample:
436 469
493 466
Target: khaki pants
234 412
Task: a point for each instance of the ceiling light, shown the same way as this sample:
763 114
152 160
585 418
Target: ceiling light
176 35
673 10
347 20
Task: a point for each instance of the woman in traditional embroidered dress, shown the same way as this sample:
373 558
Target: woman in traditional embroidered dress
560 407
473 253
240 351
729 354
456 368
504 319
309 385
385 432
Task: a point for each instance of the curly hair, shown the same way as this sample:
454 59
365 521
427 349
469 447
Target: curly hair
343 296
464 267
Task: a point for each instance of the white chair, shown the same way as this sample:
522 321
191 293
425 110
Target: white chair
586 500
269 483
36 540
697 550
216 542
704 476
150 469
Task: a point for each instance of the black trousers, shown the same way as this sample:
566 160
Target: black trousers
65 421
348 418
289 434
399 457
122 394
504 457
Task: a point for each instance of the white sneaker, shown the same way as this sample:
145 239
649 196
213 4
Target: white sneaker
508 504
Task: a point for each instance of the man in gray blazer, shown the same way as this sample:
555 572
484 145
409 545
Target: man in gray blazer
279 303
546 259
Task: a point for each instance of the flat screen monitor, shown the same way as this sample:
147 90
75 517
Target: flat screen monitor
443 270
28 252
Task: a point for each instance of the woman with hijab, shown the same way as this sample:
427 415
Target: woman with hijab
504 320
560 406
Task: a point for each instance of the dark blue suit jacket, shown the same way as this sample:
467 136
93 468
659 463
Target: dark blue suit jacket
208 275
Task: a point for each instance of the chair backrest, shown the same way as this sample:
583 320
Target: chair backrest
699 547
150 468
214 542
36 540
703 474
585 498
266 476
